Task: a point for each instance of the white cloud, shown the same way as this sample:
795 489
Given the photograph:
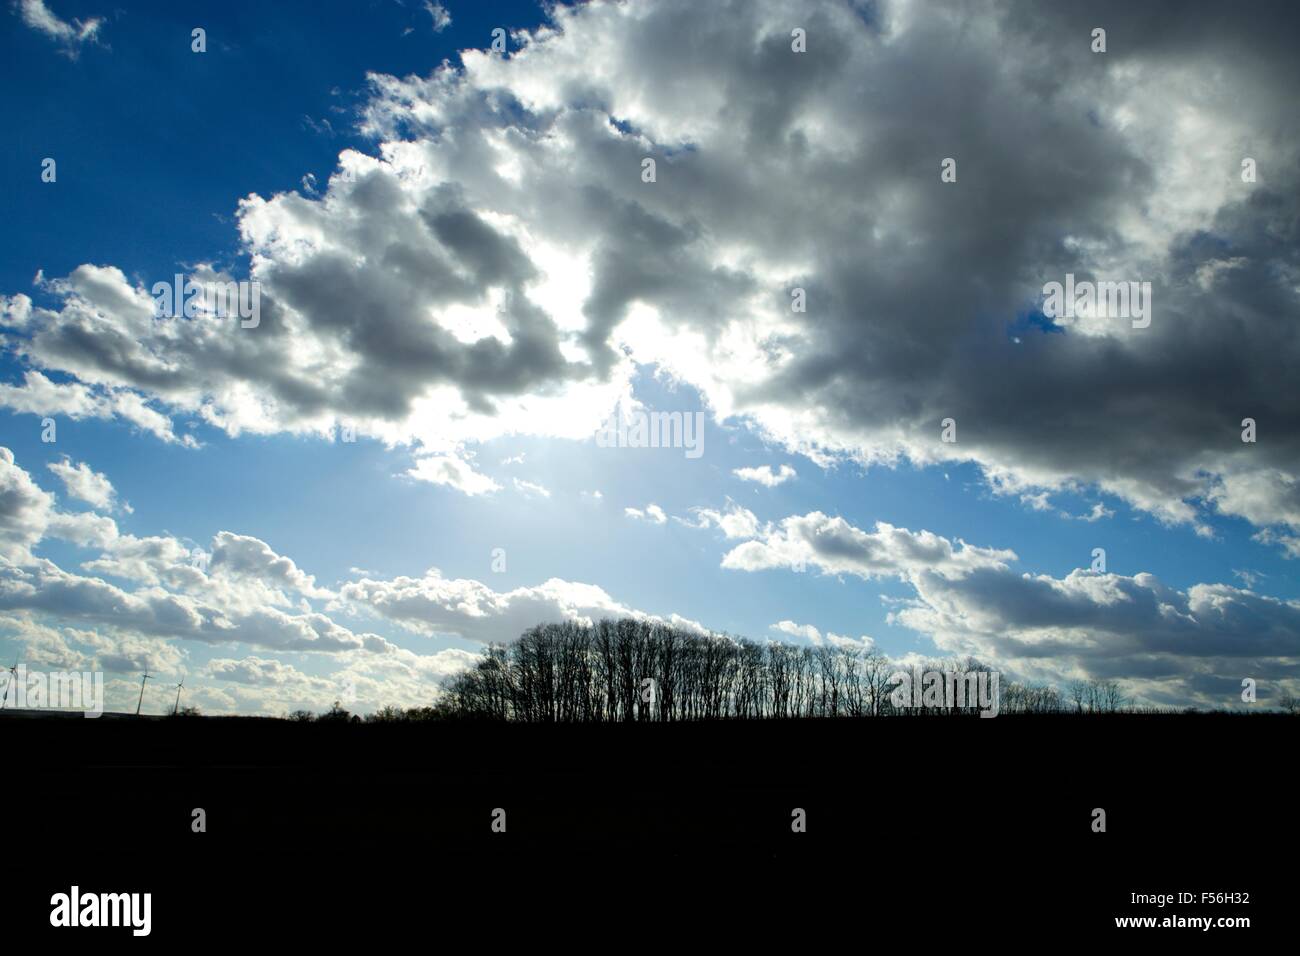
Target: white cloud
806 631
257 671
734 522
85 484
845 643
493 271
441 18
531 489
246 558
764 475
15 310
484 272
836 547
815 637
38 395
454 472
470 609
26 510
1169 645
241 592
651 513
70 35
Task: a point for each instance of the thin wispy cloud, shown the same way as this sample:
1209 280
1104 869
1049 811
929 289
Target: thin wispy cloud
438 13
69 35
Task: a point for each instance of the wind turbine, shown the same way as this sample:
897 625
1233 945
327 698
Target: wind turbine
13 676
177 708
141 700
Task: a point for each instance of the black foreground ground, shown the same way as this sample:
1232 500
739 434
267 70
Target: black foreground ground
944 830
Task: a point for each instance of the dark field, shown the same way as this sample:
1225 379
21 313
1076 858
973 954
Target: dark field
983 821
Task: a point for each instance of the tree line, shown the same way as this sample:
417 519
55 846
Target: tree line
639 671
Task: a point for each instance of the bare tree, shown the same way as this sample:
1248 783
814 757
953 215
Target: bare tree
1078 691
571 672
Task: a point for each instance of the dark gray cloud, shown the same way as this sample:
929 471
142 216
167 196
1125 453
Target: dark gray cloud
819 171
513 187
500 249
1169 645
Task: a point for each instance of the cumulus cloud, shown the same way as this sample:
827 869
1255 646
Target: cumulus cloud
15 310
651 513
734 521
246 557
398 678
240 591
516 282
157 561
256 671
85 484
433 604
25 510
815 637
454 472
764 475
401 679
241 600
70 648
154 611
38 395
495 266
834 546
1171 645
44 645
806 631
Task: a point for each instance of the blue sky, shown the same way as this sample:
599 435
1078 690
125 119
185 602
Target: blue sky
156 146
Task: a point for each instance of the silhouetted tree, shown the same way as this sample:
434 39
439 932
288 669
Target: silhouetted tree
336 714
571 672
